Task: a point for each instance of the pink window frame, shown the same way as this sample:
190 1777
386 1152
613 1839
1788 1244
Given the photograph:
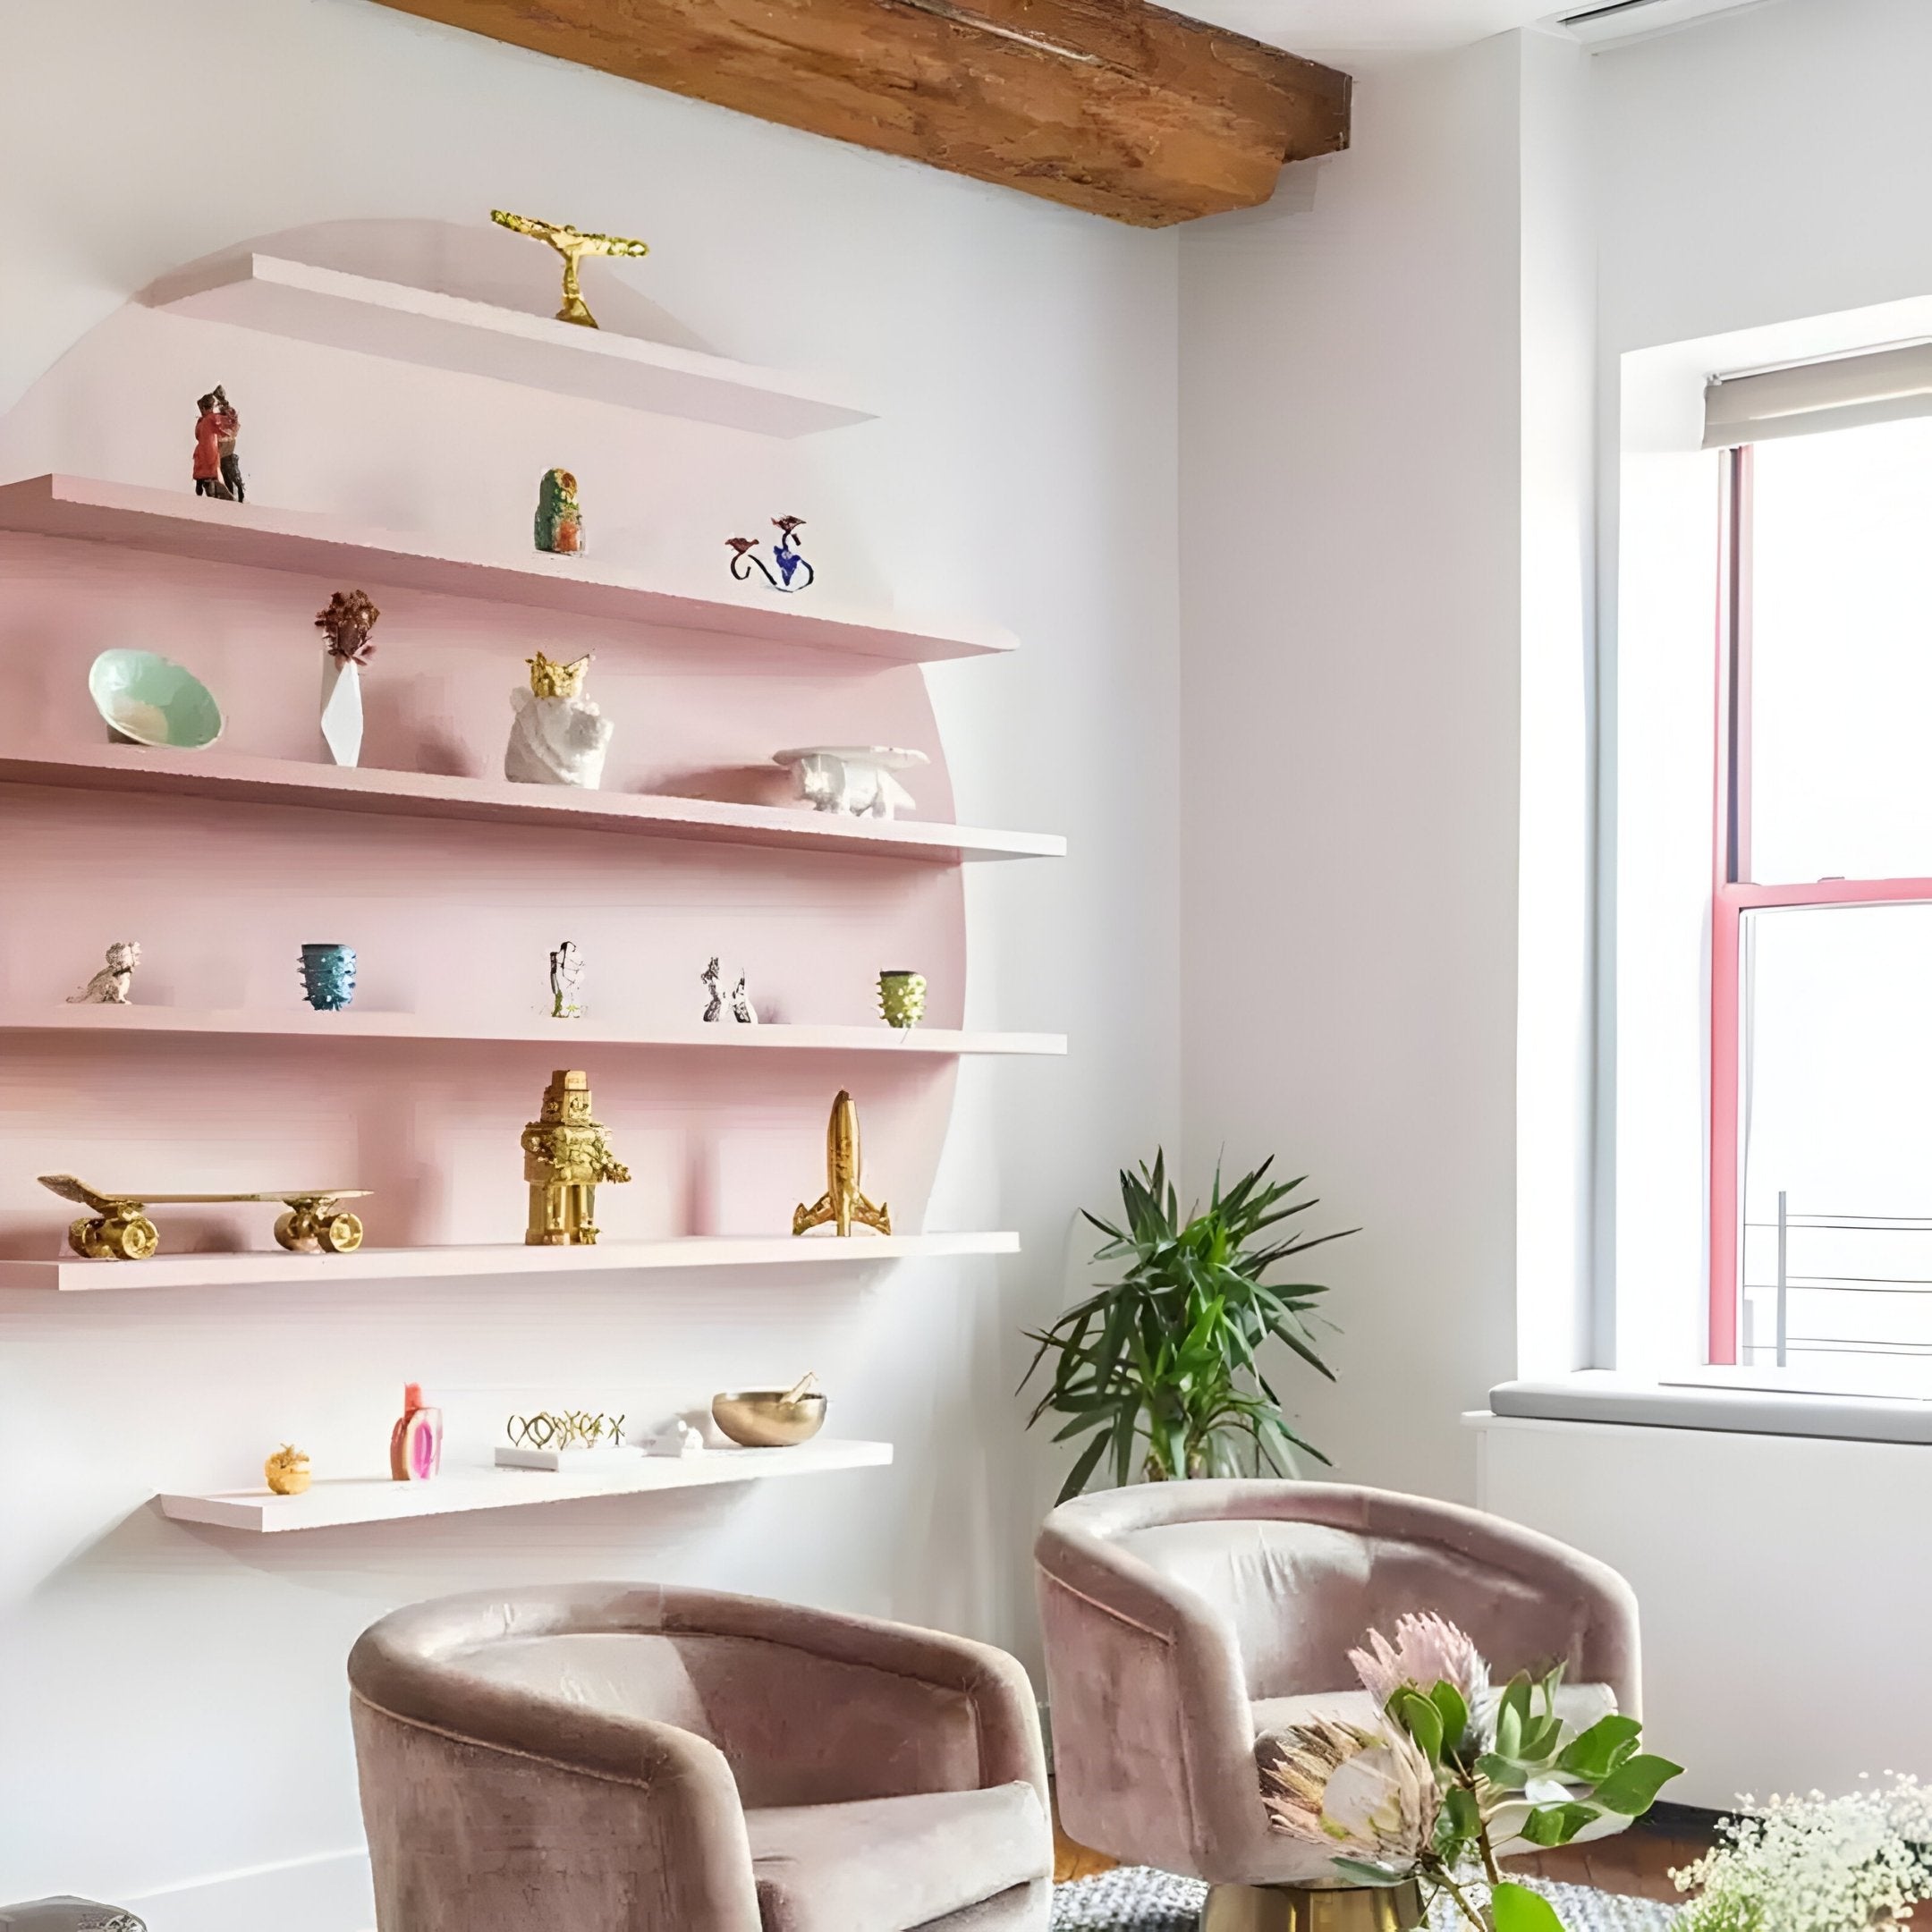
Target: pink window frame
1734 894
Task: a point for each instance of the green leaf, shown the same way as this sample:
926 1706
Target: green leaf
1453 1713
1090 1460
1557 1825
1594 1754
1508 1731
1462 1812
1515 1908
1631 1789
1504 1773
1516 1697
1419 1716
1539 1740
1363 1873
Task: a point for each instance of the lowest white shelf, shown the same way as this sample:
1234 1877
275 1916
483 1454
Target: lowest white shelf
273 1268
299 1022
376 1499
404 324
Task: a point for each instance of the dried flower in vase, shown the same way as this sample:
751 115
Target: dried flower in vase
346 622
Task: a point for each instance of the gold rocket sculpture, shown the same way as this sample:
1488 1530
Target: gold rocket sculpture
565 1154
842 1202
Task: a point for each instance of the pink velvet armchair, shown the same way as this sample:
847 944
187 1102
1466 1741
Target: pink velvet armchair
1186 1621
623 1757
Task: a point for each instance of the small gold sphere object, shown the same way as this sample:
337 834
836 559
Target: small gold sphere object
287 1471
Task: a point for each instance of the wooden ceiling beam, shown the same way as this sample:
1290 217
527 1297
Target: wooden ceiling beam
1115 107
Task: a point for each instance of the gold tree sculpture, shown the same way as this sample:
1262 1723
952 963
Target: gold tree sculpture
572 244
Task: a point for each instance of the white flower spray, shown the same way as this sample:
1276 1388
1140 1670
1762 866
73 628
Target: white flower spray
1816 1864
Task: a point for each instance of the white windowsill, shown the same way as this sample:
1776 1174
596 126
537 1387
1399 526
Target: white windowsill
1603 1397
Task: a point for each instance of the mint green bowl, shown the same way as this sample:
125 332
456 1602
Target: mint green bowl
151 700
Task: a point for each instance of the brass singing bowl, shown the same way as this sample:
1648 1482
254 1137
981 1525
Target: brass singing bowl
762 1419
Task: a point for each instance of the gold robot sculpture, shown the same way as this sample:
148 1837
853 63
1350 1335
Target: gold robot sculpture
565 1154
572 244
841 1203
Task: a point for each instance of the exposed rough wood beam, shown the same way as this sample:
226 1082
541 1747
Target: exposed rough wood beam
1111 106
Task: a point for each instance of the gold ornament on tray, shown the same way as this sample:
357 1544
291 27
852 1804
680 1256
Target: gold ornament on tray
569 1429
565 1154
572 244
287 1471
841 1203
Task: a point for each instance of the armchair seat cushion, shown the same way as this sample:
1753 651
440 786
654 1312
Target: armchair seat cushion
1579 1704
892 1864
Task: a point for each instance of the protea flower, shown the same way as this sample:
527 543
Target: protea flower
1363 1794
1427 1651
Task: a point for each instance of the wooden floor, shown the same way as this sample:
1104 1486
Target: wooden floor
1638 1862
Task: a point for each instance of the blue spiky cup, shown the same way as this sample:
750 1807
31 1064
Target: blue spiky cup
329 976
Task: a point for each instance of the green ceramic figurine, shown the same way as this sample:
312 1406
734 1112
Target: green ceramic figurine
902 997
559 520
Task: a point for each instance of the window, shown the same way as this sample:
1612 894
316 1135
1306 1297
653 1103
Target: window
1821 955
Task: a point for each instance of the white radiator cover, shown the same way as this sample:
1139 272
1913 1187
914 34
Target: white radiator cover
1782 1583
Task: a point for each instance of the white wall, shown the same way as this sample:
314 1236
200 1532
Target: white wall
1729 214
174 1712
1719 209
1354 447
1385 446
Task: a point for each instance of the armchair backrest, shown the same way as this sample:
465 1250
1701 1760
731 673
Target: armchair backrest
1300 1572
1300 1595
804 1707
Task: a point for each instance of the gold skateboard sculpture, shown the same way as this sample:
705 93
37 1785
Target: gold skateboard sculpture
118 1229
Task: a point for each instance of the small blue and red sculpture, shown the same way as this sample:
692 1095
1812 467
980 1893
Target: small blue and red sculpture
792 570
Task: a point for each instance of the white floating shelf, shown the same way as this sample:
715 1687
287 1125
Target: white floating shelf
376 1499
166 522
215 773
402 324
273 1268
363 1023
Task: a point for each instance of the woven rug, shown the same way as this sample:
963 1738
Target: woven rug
1134 1898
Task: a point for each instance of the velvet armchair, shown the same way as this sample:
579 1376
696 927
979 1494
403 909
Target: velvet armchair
1186 1621
625 1757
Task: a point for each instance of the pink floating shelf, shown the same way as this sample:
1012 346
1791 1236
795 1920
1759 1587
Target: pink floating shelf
365 1024
175 523
405 324
273 1268
394 795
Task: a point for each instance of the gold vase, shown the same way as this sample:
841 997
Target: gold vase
1233 1908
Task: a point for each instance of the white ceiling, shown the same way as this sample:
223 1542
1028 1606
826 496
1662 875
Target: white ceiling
1335 27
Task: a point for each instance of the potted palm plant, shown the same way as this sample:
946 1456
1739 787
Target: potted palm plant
1164 1363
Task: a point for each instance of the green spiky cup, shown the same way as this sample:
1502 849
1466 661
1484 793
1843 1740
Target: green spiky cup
902 998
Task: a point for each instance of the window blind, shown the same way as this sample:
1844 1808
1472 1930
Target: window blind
1878 385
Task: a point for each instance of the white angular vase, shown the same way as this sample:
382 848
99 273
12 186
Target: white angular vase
342 710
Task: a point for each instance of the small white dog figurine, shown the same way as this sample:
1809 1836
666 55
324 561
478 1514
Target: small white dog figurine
560 736
111 984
